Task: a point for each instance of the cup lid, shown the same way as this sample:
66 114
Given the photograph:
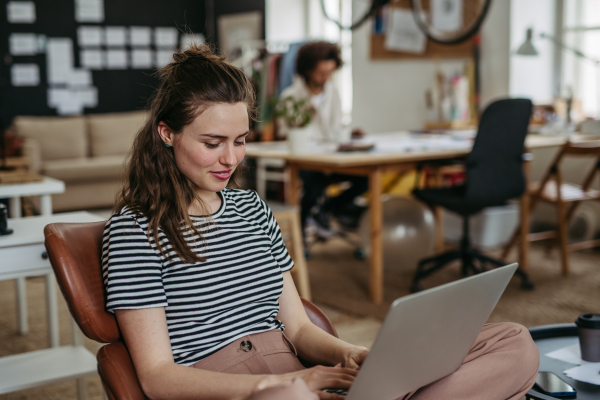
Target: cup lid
588 321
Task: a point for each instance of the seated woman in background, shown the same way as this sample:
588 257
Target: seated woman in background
198 276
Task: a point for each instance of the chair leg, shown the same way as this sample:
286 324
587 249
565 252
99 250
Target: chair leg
562 234
526 283
438 261
300 261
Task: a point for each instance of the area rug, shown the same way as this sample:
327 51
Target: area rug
341 281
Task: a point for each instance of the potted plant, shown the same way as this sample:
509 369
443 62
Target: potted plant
297 115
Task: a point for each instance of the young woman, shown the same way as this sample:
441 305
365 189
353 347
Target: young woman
198 276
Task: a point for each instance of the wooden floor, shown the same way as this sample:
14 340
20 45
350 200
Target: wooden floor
340 290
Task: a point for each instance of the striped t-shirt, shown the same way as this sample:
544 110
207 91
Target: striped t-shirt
210 304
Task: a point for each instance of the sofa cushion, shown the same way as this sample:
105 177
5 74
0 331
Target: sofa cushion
113 134
86 169
59 137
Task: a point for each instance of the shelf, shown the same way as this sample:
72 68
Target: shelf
26 370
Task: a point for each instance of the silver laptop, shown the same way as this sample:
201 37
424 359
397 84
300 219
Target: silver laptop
427 335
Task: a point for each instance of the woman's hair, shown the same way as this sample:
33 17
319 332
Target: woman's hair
312 53
155 188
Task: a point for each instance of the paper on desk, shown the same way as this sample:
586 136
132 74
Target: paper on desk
569 354
446 15
589 373
23 44
585 372
403 34
20 12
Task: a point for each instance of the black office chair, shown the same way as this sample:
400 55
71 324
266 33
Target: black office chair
494 174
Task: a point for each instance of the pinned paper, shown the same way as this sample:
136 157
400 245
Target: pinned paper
141 59
25 74
162 58
116 59
89 10
92 58
20 12
165 37
140 36
59 56
80 77
23 44
90 36
189 39
447 15
403 34
88 97
72 101
115 36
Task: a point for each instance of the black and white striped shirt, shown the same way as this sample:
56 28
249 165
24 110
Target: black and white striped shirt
210 304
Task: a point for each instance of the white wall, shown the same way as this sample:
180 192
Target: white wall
284 21
390 95
532 76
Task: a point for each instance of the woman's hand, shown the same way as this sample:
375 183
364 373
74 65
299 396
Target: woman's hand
316 378
354 356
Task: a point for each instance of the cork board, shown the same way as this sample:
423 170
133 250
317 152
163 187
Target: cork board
432 49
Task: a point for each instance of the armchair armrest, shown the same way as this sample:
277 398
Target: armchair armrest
33 151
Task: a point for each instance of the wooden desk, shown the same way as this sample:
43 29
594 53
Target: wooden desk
387 157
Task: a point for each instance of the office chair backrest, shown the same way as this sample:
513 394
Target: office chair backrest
75 252
495 165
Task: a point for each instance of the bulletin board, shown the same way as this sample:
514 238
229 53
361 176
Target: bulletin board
432 49
124 88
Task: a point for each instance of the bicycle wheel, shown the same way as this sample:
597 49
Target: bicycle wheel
473 13
371 12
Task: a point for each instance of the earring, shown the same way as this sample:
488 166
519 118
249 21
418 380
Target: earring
167 144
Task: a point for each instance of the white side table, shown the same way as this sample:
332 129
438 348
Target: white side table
45 189
23 254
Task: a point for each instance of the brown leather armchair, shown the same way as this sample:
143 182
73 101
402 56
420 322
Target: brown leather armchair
75 254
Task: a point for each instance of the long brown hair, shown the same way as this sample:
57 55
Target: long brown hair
195 79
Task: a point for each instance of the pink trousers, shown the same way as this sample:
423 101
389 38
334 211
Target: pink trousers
501 365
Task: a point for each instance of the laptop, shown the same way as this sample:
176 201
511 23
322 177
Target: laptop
427 335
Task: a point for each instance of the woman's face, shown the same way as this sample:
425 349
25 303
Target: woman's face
208 150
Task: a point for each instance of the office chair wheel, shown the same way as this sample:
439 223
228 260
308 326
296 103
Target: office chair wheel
359 254
416 287
527 284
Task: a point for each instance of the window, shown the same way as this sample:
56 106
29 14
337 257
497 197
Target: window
582 32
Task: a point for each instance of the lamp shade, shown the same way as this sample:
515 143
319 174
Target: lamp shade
527 48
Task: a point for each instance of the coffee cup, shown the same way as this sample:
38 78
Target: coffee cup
588 327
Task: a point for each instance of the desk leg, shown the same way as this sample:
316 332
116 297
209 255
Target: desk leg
376 259
524 249
22 306
78 341
15 207
46 204
294 195
53 328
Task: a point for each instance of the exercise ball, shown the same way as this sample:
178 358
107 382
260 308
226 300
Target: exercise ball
408 232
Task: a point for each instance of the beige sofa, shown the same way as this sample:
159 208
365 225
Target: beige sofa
86 152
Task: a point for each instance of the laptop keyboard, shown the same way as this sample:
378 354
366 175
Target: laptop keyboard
343 392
